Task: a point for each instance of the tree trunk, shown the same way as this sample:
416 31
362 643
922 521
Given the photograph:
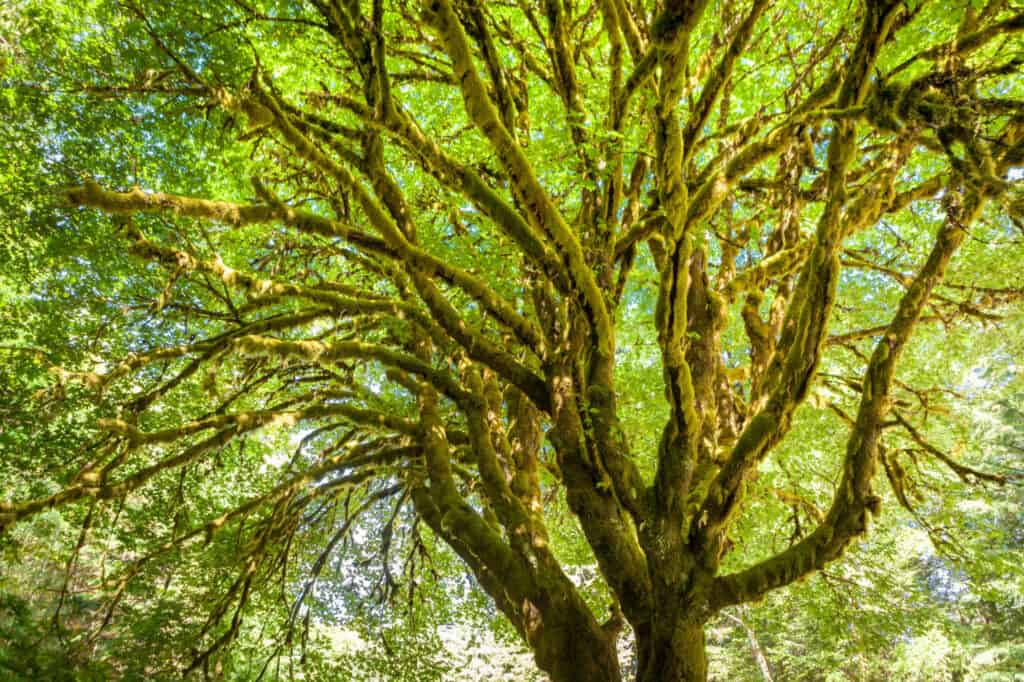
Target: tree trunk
678 656
585 669
759 655
570 646
575 659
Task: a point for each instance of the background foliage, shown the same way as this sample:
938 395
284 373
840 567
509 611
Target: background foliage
933 595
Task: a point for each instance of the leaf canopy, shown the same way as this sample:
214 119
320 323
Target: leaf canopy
586 324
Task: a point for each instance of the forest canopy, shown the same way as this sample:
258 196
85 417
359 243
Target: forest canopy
661 340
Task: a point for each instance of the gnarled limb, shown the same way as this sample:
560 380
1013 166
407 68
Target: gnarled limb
847 517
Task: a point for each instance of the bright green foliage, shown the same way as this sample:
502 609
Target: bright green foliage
385 284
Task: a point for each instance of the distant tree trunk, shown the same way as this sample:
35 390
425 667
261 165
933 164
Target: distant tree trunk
759 656
755 649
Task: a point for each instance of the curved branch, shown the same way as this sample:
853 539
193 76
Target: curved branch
847 517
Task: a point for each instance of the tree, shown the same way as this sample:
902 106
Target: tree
469 226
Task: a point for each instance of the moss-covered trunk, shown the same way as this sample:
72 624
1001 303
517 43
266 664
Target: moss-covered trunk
675 654
571 656
583 669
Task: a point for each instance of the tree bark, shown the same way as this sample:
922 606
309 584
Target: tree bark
568 654
677 656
